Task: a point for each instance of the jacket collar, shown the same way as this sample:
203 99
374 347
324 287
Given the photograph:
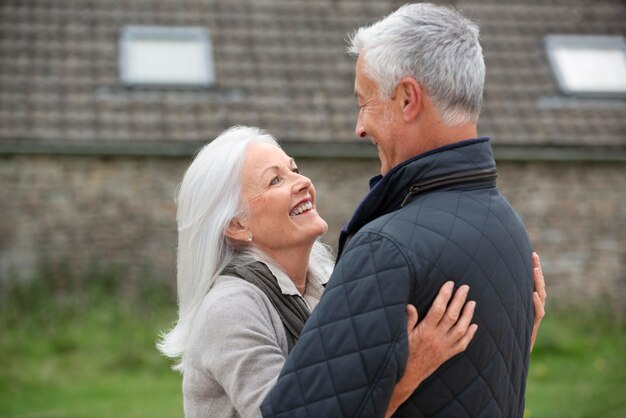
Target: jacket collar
388 192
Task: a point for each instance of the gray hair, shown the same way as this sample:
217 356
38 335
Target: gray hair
209 197
437 46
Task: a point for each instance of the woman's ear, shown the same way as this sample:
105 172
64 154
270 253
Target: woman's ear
237 231
410 94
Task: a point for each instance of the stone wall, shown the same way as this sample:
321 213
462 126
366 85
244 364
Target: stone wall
77 214
65 214
576 219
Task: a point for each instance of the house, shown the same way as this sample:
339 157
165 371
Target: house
90 157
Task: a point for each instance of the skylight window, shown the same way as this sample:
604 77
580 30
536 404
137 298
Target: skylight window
588 65
166 56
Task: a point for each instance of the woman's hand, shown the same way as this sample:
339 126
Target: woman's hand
443 333
539 297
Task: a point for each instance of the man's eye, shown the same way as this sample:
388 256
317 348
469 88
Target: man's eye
295 170
274 181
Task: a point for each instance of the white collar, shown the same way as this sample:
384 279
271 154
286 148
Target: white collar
314 283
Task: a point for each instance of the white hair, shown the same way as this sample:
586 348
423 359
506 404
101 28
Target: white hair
435 45
209 197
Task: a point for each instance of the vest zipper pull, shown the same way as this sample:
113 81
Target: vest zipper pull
413 190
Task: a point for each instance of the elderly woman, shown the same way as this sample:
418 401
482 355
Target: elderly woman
250 270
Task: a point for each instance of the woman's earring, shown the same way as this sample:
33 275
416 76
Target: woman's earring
249 236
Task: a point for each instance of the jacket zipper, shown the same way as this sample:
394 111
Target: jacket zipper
466 177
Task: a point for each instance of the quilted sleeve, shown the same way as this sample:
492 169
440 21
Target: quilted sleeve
353 348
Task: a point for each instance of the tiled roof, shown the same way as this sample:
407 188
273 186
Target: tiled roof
523 104
280 65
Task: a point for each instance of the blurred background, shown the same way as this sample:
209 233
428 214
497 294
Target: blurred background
103 104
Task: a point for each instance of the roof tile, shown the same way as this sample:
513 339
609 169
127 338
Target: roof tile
280 64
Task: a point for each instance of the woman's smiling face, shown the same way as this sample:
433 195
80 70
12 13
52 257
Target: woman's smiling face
280 201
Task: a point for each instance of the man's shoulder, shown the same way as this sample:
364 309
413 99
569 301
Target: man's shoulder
401 221
432 220
394 231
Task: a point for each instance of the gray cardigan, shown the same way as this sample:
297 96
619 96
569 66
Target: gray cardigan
238 347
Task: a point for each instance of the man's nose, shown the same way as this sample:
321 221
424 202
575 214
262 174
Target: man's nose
360 130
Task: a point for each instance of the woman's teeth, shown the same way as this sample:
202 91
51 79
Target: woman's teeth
302 208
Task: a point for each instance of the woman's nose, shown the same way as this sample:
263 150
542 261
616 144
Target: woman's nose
302 183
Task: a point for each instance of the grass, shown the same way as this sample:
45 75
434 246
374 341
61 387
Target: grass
577 367
90 352
87 354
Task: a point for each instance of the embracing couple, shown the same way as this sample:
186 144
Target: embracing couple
432 305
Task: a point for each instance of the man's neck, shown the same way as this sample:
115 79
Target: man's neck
420 139
443 135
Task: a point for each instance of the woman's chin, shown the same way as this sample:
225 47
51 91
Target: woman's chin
322 227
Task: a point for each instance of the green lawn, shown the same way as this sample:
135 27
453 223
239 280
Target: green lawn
92 354
88 356
578 368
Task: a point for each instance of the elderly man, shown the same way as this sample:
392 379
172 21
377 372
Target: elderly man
433 214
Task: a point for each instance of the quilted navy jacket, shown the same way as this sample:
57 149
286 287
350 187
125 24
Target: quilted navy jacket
436 217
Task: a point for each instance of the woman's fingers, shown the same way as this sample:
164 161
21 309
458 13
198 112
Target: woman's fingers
445 331
411 318
539 281
454 309
460 329
539 297
448 321
438 308
539 314
465 340
540 310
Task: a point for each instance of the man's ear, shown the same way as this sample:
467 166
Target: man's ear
410 96
237 231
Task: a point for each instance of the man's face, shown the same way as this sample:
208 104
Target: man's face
379 119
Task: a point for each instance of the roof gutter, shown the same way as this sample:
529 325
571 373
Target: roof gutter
350 150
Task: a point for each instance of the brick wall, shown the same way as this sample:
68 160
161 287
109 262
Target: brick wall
73 214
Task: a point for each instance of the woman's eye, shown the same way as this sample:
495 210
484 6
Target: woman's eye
295 170
274 181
